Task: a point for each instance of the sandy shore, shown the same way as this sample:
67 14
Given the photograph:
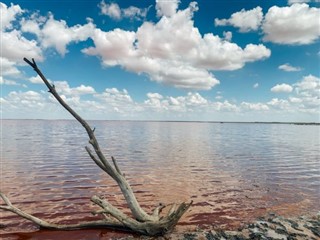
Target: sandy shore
266 228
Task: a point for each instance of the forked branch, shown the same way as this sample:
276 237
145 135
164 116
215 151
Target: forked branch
142 222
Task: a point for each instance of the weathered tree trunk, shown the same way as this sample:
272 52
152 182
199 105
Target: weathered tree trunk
141 222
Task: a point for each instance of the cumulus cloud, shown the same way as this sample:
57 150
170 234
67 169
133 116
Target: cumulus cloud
135 13
14 46
303 98
113 47
288 68
193 102
155 49
25 100
118 101
309 82
113 95
4 81
56 33
114 11
64 88
8 15
281 104
301 1
115 102
227 35
295 100
297 24
254 106
8 68
36 80
282 88
188 103
32 104
246 21
166 7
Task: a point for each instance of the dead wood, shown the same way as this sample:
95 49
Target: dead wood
141 222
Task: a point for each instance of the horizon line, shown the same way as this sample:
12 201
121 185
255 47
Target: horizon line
182 121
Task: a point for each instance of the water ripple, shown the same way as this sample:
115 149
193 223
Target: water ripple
232 172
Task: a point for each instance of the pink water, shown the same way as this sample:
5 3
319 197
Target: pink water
233 172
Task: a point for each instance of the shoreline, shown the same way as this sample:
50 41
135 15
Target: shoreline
269 227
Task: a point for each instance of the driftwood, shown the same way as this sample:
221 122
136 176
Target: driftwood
112 217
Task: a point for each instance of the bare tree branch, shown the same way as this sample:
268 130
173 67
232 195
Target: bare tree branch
144 223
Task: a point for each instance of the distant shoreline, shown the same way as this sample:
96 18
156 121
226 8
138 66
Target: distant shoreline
173 121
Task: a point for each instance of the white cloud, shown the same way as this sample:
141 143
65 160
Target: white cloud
82 89
295 100
63 87
310 83
8 68
29 99
4 81
244 20
135 13
32 104
256 85
154 100
15 47
227 35
114 46
156 50
304 98
113 95
166 7
57 34
308 91
154 96
8 15
254 106
36 80
118 101
114 11
225 106
296 24
195 99
119 104
288 68
301 1
282 88
189 103
281 104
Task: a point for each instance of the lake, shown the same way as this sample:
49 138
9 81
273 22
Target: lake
234 172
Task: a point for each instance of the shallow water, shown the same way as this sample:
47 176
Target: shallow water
233 172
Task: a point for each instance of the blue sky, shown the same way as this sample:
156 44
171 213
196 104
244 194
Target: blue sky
235 60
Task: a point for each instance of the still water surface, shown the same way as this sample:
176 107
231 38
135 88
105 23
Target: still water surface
233 172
